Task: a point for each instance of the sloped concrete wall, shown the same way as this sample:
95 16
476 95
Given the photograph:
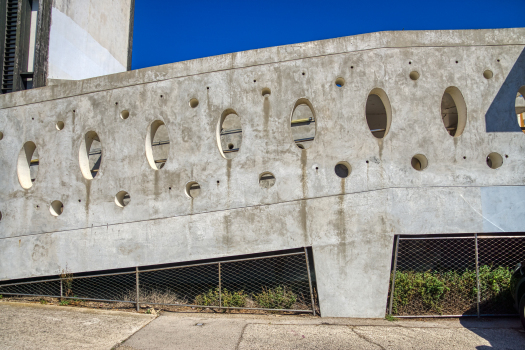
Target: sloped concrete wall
350 223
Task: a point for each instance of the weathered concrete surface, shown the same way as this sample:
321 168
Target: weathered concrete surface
225 332
30 326
350 223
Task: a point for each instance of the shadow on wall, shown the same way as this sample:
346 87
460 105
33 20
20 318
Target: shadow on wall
501 116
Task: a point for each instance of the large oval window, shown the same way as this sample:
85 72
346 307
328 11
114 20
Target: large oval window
303 123
378 113
90 155
453 111
157 144
229 134
520 108
27 165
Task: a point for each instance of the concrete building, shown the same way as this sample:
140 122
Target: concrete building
337 145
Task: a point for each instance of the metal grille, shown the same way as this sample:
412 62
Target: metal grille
467 275
10 46
278 282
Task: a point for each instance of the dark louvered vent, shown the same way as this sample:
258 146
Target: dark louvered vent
10 46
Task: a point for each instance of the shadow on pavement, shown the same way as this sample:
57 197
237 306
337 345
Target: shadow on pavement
501 333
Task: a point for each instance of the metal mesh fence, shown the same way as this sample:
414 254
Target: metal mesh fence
279 282
442 275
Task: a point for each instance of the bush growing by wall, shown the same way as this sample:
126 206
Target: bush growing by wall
451 292
276 298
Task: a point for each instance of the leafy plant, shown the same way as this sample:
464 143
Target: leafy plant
276 298
65 302
229 299
43 301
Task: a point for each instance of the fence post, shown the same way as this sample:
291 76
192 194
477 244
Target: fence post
61 290
309 279
137 287
393 277
220 287
477 273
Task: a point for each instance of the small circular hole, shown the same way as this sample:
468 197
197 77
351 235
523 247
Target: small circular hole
410 62
169 188
80 200
218 182
342 169
37 206
230 146
494 160
194 103
498 60
464 157
419 162
56 208
193 189
316 168
122 199
488 74
266 92
1 135
339 82
351 67
124 114
207 87
506 155
32 118
74 111
266 180
116 103
414 75
161 96
255 81
457 62
303 73
59 125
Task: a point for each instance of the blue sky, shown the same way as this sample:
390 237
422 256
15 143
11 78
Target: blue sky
167 31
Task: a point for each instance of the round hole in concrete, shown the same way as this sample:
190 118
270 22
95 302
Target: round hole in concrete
194 103
90 155
304 73
60 125
414 75
419 162
230 146
339 82
229 133
494 160
342 169
56 208
1 135
488 74
157 144
122 199
266 92
266 180
378 113
453 111
124 114
193 189
27 165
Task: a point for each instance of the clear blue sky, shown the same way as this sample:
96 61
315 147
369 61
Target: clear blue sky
169 31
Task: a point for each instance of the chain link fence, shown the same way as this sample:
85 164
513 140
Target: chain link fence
467 275
278 283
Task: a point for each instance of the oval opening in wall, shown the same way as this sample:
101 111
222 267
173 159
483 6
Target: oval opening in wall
229 134
193 189
453 111
266 180
303 123
378 113
494 160
27 165
157 144
90 155
122 199
56 208
419 162
343 169
60 125
519 106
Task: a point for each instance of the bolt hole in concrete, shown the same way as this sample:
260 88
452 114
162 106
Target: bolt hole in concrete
124 114
1 135
0 216
56 208
90 155
229 134
414 75
494 160
339 82
266 92
342 169
193 189
60 125
157 144
194 103
419 162
488 74
266 180
122 199
453 111
303 123
378 113
520 107
27 165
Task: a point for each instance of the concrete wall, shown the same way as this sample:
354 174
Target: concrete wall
350 223
89 38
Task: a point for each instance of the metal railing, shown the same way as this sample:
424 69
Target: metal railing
274 283
454 275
